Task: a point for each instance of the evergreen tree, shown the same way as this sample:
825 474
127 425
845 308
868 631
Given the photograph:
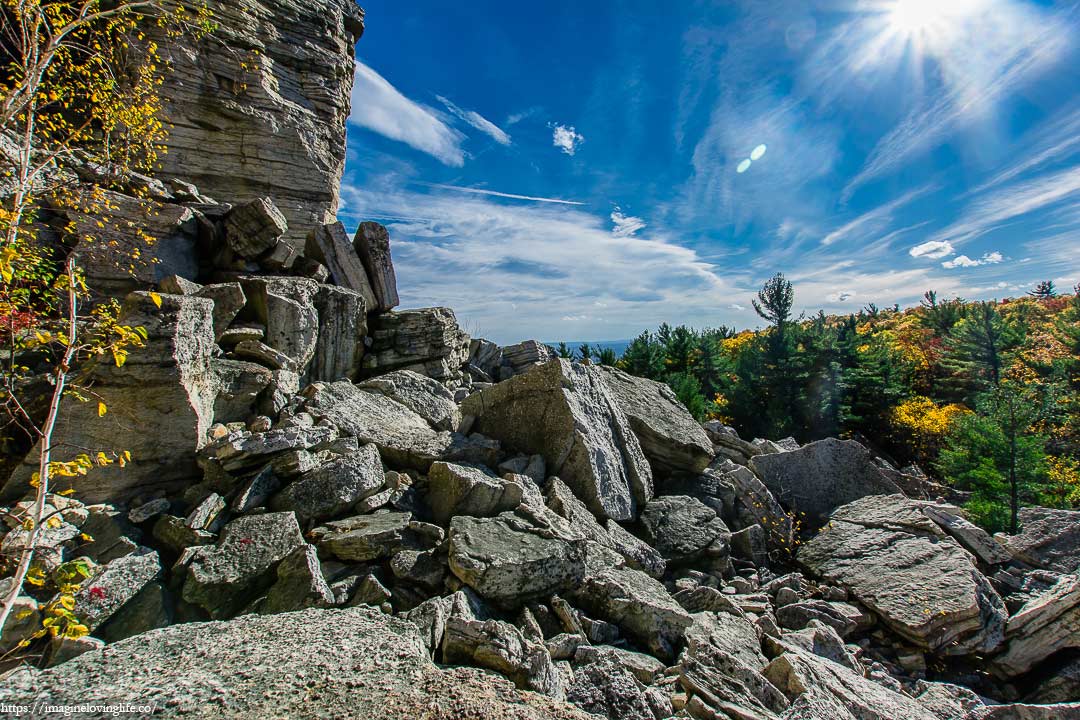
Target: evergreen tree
687 388
680 350
585 352
607 356
1044 290
978 348
774 301
564 351
644 357
940 316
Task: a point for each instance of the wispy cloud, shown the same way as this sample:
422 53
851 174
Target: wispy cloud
478 121
1005 204
379 106
566 138
496 193
625 225
963 261
528 265
1058 140
874 220
933 249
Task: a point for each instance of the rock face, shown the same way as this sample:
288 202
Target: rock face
258 666
1046 625
670 437
1048 539
372 244
166 386
428 341
921 583
258 107
822 476
565 412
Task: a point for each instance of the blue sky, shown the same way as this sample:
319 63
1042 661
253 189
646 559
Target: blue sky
583 169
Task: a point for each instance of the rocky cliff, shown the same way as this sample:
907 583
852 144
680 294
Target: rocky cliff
338 509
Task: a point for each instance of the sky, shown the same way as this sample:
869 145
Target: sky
589 170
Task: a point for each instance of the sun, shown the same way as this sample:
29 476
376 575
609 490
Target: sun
922 17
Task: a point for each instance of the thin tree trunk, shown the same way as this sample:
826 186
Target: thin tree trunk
37 512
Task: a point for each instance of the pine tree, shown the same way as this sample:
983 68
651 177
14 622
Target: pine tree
940 316
1044 290
644 357
564 351
585 352
607 356
978 348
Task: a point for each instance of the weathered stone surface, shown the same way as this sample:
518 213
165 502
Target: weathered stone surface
223 578
334 487
329 245
726 686
605 688
637 553
424 396
258 107
244 450
469 490
920 582
754 504
174 534
973 538
511 559
258 666
285 306
638 604
670 437
239 385
150 609
300 584
372 244
228 299
798 615
1048 539
339 350
683 529
1017 711
1045 625
160 406
565 412
364 537
797 673
822 476
428 341
500 646
254 227
264 355
522 357
1062 686
819 639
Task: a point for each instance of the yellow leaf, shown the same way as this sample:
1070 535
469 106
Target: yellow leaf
35 576
66 493
67 601
101 409
76 631
54 522
156 299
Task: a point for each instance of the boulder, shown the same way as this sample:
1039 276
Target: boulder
334 487
499 646
1048 539
797 674
822 476
259 666
254 113
684 530
363 538
511 559
223 578
150 609
425 397
285 306
973 538
339 350
919 581
240 384
755 505
329 245
605 688
300 584
404 438
228 299
254 227
428 341
1043 626
372 245
724 686
469 490
246 450
670 437
522 357
565 412
159 406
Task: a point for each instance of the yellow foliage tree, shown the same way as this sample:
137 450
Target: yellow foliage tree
79 90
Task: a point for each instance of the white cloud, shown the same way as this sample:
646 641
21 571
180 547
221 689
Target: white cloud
876 219
736 306
964 261
496 193
1058 139
842 296
478 121
482 257
625 225
933 249
566 138
380 107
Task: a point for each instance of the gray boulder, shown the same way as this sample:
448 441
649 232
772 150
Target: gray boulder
500 646
1048 539
684 530
428 341
254 227
917 579
260 666
300 583
424 396
822 476
329 245
372 245
334 487
240 383
223 578
1043 626
469 490
522 357
113 585
339 350
364 537
670 437
565 412
605 688
285 306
